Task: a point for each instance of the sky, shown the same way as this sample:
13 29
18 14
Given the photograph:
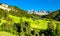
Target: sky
48 5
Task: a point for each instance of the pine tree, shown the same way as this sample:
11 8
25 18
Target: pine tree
22 33
51 30
6 15
27 28
58 29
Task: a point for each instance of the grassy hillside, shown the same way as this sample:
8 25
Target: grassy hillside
3 33
42 23
54 15
35 24
19 22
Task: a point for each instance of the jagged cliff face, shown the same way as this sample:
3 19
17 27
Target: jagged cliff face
5 7
42 12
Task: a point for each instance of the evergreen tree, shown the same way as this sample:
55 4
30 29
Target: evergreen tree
51 30
58 29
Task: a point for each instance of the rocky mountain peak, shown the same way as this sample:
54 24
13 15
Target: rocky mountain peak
41 12
5 7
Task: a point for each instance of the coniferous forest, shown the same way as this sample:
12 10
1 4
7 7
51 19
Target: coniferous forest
18 22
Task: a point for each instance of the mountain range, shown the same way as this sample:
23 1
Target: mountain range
18 22
15 11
